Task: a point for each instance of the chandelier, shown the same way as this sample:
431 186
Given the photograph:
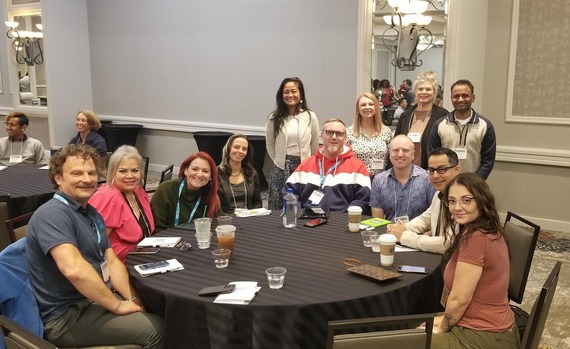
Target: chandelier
26 44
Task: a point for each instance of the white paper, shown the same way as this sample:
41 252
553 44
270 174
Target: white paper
159 242
243 293
173 265
46 167
400 248
254 212
3 167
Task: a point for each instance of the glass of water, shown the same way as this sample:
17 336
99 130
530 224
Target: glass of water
221 257
276 277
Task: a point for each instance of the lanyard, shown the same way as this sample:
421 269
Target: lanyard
396 197
64 200
21 146
244 193
321 170
461 128
177 216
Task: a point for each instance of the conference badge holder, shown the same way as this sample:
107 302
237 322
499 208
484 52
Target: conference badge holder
369 271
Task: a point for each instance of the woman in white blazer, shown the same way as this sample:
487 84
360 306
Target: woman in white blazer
292 135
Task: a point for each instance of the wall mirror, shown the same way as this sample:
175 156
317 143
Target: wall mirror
383 57
26 53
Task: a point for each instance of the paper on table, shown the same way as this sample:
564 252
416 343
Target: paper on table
46 167
243 293
173 265
400 248
3 167
254 212
159 242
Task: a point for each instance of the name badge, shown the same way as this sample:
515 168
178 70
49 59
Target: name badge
377 164
15 159
293 149
316 197
105 271
461 153
416 137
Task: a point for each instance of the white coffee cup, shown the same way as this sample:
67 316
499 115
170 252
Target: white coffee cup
354 218
387 247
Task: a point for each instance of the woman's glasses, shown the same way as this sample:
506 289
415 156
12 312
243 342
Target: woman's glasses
464 201
184 246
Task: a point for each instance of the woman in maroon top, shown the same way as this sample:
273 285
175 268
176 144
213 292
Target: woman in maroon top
477 312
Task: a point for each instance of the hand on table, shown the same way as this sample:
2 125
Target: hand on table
397 229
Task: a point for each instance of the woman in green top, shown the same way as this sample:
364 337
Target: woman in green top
182 200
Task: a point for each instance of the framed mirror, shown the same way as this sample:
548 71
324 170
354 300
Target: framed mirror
26 51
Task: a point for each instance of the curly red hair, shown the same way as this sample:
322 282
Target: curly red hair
210 196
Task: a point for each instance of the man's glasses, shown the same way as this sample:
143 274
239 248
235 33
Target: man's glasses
464 201
440 170
330 133
403 150
11 124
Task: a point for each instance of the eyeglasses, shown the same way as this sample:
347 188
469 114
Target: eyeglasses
330 133
403 150
439 170
184 246
464 201
11 124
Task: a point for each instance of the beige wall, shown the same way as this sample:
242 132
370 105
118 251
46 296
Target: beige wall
522 181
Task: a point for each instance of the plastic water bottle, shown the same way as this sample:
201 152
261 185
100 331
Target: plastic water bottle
289 209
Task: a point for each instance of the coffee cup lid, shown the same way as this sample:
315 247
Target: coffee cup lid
355 209
387 238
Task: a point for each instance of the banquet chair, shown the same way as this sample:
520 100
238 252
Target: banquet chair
165 175
406 338
540 308
4 215
521 244
146 160
17 226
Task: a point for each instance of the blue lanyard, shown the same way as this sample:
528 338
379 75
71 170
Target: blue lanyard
177 216
64 200
321 170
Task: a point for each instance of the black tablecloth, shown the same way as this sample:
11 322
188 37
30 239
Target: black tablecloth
28 187
317 286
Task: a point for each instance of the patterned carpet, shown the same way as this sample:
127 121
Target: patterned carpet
551 247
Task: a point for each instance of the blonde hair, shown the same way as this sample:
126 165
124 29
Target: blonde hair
358 118
92 119
428 77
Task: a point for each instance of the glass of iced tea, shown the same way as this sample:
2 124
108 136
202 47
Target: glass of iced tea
226 235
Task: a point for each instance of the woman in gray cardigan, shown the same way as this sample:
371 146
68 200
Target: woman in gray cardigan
292 135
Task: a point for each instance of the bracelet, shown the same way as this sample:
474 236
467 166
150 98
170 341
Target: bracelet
132 298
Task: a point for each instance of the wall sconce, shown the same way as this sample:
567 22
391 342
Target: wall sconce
407 51
24 43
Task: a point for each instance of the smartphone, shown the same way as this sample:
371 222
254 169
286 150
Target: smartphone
216 290
315 222
145 250
154 265
413 269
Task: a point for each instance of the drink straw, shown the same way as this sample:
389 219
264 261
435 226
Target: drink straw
204 214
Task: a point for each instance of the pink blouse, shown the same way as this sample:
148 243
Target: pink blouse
116 212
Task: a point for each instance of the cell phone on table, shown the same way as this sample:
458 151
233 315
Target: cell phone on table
315 222
216 290
413 269
145 250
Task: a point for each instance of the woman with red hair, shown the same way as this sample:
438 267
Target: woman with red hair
182 200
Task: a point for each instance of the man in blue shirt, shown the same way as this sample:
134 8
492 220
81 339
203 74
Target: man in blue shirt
404 191
73 268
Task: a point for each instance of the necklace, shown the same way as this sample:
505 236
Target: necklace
235 175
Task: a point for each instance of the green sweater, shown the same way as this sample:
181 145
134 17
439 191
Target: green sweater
163 204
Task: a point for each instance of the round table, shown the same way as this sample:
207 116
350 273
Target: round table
29 187
317 286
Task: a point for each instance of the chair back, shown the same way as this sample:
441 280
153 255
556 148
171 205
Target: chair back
540 309
17 337
4 215
166 174
146 160
411 338
17 226
521 244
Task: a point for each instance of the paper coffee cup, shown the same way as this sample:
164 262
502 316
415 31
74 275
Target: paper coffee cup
354 218
387 247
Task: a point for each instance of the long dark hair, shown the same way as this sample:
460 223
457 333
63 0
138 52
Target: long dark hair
488 220
282 111
210 190
246 163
